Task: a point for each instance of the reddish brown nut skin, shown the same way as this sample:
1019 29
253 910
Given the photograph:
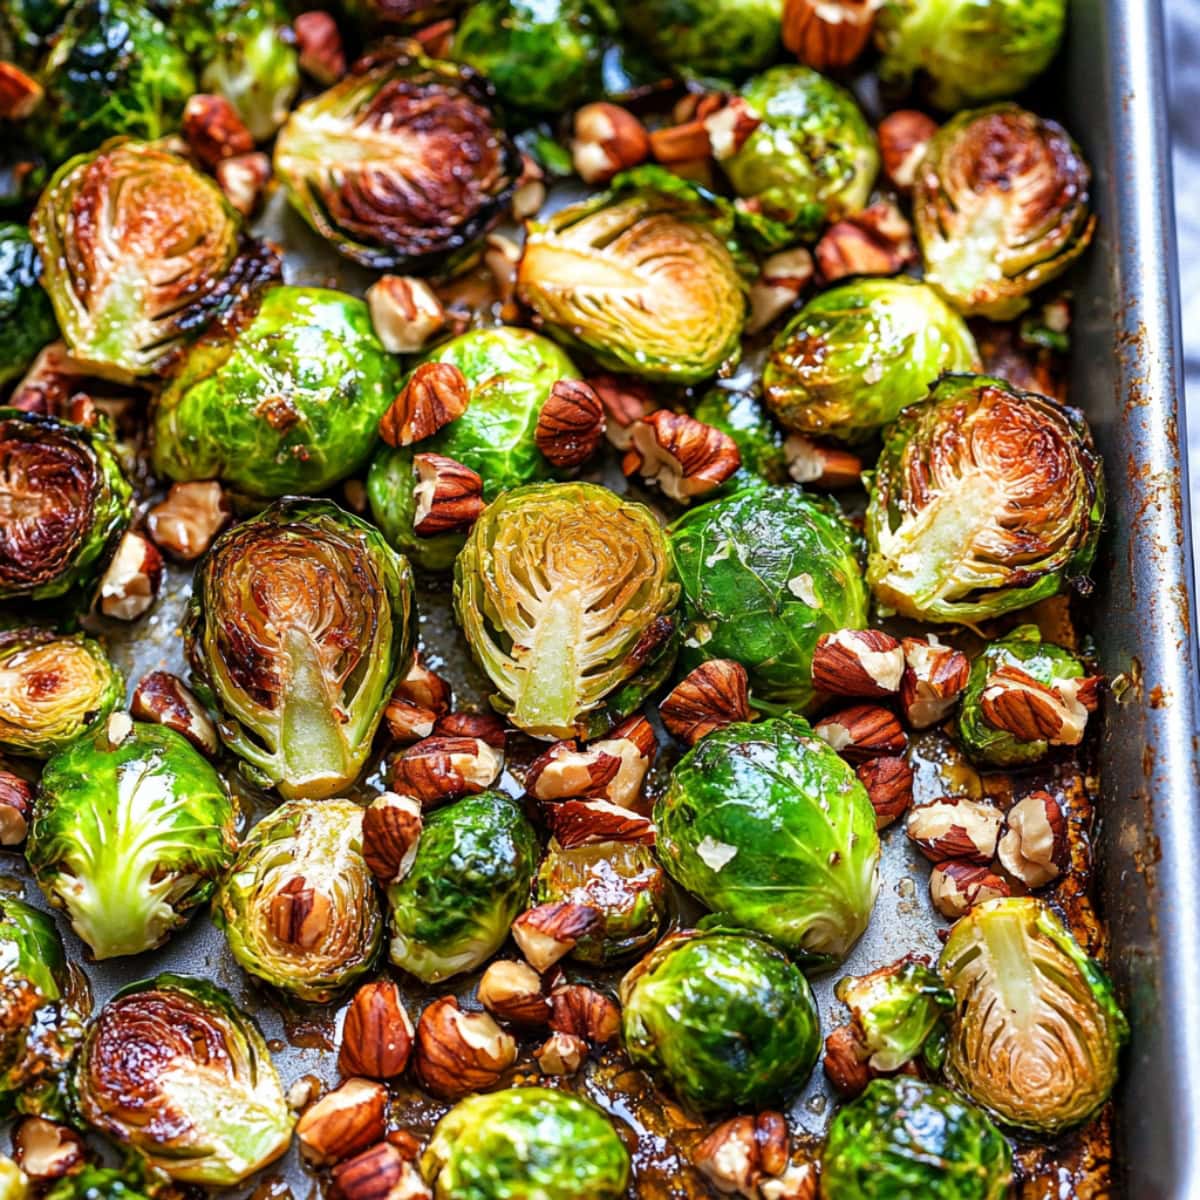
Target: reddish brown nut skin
903 137
449 495
710 697
320 44
164 699
343 1121
391 829
889 784
934 678
955 827
570 427
608 139
373 1174
186 521
845 1062
449 1066
441 768
435 394
956 886
484 726
827 34
876 241
46 1150
20 94
685 457
858 662
589 822
585 1012
377 1037
16 804
213 130
862 732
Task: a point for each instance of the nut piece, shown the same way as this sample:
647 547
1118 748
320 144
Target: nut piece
955 827
381 1173
607 139
685 143
846 1063
213 130
186 521
586 1013
485 726
934 677
1015 702
16 803
1033 847
377 1036
955 887
20 94
683 456
827 34
876 241
164 699
743 1151
435 394
904 137
343 1122
783 278
242 179
420 698
728 127
448 496
132 579
570 426
712 696
861 732
625 400
593 822
889 784
530 192
828 467
46 1150
321 55
408 722
117 728
858 662
561 1054
551 931
405 313
444 768
391 830
300 914
512 991
425 688
611 768
459 1052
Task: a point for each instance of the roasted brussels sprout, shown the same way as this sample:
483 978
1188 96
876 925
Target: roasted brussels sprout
65 502
471 876
765 573
26 315
767 825
53 688
968 50
298 906
856 355
300 625
758 439
101 1183
724 1018
565 593
722 39
1001 206
289 401
373 15
129 838
526 1142
984 500
401 163
904 1137
174 1069
812 158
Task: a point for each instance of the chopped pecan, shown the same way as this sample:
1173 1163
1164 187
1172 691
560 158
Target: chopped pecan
608 139
862 731
783 278
242 178
570 426
710 697
827 34
625 401
876 241
448 496
684 143
131 580
1015 702
857 662
186 521
377 1036
436 393
728 127
934 677
592 822
459 1052
20 94
444 768
321 55
344 1121
828 467
213 130
904 137
889 784
425 688
530 192
405 313
16 804
1033 847
45 1150
408 722
845 1061
561 1054
955 827
391 831
685 457
162 698
956 886
551 931
586 1013
512 991
740 1153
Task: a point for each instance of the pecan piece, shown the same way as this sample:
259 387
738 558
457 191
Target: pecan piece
625 401
344 1121
391 831
876 241
889 784
1033 847
570 426
712 696
186 521
828 467
435 394
46 1150
783 278
611 768
405 313
827 34
955 827
845 1061
377 1036
384 1172
608 139
685 457
444 768
857 662
321 55
242 178
728 127
300 914
551 931
484 726
448 496
20 94
132 579
459 1052
213 130
1015 702
740 1153
904 137
862 731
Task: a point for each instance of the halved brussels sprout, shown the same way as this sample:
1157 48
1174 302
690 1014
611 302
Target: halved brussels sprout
300 625
760 443
968 50
1001 206
65 503
766 824
723 1018
721 38
812 158
1037 1032
471 877
26 315
298 906
984 500
529 1143
857 354
401 163
130 838
905 1137
101 1183
175 1070
564 592
765 573
286 401
53 688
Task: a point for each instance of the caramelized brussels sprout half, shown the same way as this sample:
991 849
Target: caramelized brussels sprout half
299 627
286 401
65 502
857 354
984 500
129 838
26 315
401 163
767 825
1001 206
565 594
298 906
1037 1030
175 1070
722 38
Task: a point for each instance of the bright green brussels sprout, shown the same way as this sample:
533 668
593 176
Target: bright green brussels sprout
722 1017
1037 1030
968 50
766 824
813 157
857 354
906 1138
722 38
26 315
985 499
53 688
757 437
526 1144
65 500
765 573
100 1183
300 625
298 906
565 593
471 877
129 839
175 1070
1001 206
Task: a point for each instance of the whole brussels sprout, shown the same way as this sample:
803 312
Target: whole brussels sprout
721 38
765 573
1001 206
968 50
526 1144
287 402
905 1137
723 1018
857 354
299 627
298 906
129 839
66 503
175 1070
758 439
984 500
100 1183
812 158
767 825
564 592
26 315
53 689
401 163
470 878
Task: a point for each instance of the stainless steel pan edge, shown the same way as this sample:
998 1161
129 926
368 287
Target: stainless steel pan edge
1127 378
